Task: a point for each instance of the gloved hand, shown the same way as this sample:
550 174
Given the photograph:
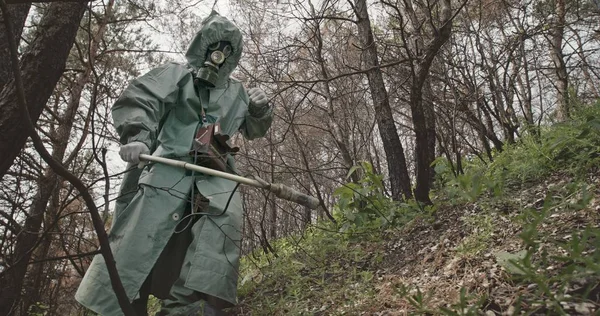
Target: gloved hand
258 102
131 152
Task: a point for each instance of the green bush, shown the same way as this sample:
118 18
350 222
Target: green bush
364 206
571 147
467 187
364 202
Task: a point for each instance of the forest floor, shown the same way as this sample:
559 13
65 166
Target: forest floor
519 235
533 250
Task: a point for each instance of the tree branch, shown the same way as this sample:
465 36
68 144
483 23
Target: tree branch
79 255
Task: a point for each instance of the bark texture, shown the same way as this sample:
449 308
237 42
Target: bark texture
41 68
557 56
18 12
422 112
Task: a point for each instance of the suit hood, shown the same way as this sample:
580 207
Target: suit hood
213 29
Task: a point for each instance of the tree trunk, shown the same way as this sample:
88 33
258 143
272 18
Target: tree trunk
41 68
524 85
556 54
19 13
306 218
396 161
422 112
431 126
422 155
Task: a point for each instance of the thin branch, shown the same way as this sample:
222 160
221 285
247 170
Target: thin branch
79 255
391 64
329 17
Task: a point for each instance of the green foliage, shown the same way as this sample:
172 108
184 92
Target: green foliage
507 259
467 187
364 206
363 202
554 273
467 305
572 147
552 265
416 298
307 266
563 271
482 227
153 305
38 309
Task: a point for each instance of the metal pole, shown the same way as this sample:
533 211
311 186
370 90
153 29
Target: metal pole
278 189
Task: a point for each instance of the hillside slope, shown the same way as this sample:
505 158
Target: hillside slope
519 235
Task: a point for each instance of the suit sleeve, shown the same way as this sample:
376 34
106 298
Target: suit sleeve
139 110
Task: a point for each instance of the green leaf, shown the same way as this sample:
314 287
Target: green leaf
350 216
367 167
595 124
352 171
584 133
440 168
346 190
507 260
345 227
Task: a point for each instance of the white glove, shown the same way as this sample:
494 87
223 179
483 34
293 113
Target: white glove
131 152
258 102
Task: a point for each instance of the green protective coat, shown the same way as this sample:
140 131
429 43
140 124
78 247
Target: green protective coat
162 110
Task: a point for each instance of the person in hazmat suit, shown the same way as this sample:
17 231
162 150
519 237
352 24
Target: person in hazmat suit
175 233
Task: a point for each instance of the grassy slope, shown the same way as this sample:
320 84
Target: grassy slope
518 235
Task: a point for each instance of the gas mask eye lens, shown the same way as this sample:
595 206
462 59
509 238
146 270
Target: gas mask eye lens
214 46
217 57
227 50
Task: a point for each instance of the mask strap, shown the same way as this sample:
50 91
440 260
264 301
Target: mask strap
203 114
199 91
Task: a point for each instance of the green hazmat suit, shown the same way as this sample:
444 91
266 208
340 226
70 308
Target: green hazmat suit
162 110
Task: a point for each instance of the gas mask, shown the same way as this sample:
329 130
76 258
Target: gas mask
216 54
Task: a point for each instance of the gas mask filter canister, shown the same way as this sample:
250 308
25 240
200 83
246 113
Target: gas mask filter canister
216 54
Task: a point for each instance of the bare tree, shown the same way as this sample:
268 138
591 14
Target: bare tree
397 169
